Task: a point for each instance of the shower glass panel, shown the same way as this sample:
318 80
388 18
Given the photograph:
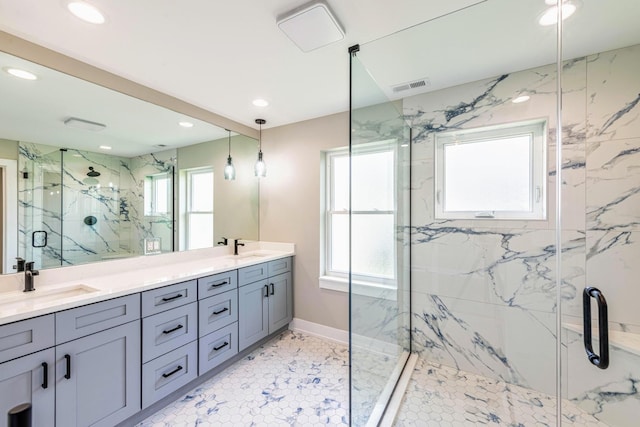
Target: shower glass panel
77 207
40 207
601 210
483 269
379 217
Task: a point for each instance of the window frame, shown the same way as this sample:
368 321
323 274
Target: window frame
188 211
151 194
536 129
328 199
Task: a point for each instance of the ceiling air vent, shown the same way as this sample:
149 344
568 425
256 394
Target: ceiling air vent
416 84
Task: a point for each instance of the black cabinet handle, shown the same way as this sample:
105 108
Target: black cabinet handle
168 374
266 291
273 288
45 375
215 285
601 360
172 298
221 346
221 311
68 374
168 331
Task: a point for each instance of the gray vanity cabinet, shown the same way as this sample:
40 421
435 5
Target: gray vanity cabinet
266 305
169 339
29 379
98 377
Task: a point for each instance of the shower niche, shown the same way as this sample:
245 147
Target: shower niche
77 207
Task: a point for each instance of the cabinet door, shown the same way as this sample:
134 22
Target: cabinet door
280 301
253 313
98 378
23 380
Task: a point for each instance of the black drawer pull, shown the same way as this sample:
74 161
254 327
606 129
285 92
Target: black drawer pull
221 346
45 375
168 374
172 298
273 288
68 374
215 285
221 311
601 360
266 291
168 331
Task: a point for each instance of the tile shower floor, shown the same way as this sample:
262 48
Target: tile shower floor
301 380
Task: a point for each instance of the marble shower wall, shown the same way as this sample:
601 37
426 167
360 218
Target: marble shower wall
86 218
483 291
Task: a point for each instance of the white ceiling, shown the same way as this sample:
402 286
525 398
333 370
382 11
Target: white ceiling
220 55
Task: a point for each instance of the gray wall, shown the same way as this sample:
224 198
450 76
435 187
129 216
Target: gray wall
290 209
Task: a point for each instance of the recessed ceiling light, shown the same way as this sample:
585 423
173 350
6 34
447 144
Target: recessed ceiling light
86 12
260 102
186 124
22 74
105 147
550 16
520 99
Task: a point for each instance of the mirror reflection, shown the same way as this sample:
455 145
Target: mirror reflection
90 174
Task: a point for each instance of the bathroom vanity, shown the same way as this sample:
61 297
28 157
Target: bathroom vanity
100 352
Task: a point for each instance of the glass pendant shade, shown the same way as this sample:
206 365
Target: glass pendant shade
229 170
260 167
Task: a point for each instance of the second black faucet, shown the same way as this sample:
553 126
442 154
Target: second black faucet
236 243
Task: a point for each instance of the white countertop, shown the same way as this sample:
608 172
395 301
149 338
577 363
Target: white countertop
111 279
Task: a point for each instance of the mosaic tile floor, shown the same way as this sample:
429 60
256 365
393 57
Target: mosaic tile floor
301 380
294 379
440 396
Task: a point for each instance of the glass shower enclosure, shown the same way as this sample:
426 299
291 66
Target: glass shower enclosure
513 137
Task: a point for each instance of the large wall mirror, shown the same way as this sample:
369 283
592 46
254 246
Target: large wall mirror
91 174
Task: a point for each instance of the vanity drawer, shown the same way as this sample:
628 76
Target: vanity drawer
253 273
27 336
217 311
217 347
168 297
169 372
169 330
92 318
279 266
217 284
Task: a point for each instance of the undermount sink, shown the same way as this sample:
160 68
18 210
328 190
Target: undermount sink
254 254
20 300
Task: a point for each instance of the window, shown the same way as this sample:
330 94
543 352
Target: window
373 217
199 208
157 194
493 172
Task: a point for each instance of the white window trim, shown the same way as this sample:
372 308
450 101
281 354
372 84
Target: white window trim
538 191
151 187
189 173
336 280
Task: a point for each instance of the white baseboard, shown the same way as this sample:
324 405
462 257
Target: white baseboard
322 331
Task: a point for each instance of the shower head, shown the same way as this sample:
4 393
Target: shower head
92 173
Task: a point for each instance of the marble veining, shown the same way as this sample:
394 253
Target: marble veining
56 195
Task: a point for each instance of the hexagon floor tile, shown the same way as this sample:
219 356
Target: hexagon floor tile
301 380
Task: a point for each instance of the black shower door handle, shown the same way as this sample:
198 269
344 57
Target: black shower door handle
601 360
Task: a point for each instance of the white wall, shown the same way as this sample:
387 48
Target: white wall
290 209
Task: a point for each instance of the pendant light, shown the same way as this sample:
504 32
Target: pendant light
260 168
229 170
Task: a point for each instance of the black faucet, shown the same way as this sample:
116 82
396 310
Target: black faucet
235 246
225 241
29 272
